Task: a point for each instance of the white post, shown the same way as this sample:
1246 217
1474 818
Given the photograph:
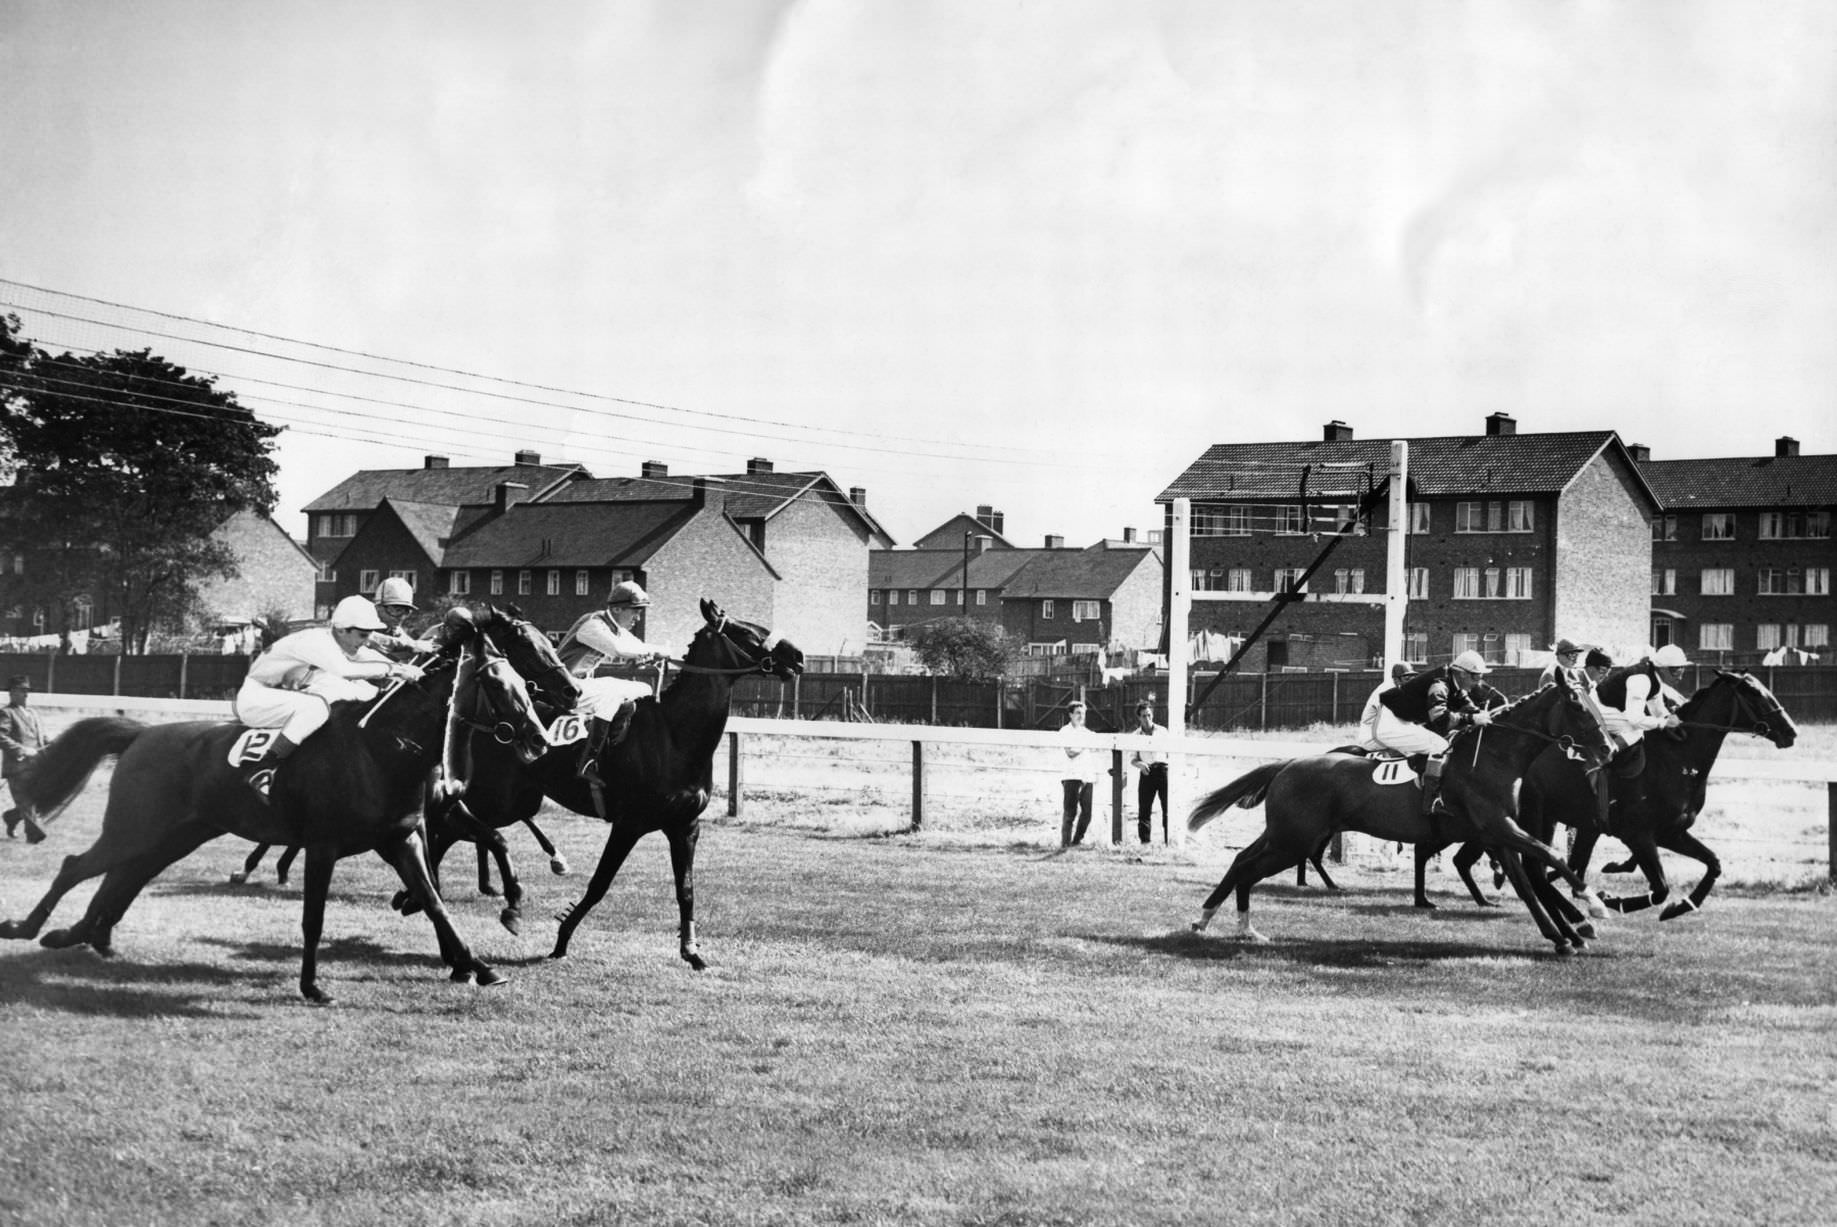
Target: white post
1179 606
1397 579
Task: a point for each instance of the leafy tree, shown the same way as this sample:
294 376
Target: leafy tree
962 648
124 465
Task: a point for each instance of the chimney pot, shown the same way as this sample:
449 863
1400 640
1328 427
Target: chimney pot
1501 424
1334 431
1128 536
1785 445
1054 541
654 468
1640 452
758 464
529 457
434 462
858 496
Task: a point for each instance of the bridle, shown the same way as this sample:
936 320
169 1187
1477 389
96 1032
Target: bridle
764 663
1572 749
1758 725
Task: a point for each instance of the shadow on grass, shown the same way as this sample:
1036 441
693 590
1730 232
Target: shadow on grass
1335 952
80 981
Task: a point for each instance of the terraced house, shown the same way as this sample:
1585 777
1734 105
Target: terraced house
1511 541
1742 554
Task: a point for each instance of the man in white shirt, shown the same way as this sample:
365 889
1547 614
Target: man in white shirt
1152 782
1084 761
606 635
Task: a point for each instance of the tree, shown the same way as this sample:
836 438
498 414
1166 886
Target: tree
124 464
962 648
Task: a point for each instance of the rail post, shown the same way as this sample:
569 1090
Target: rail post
1830 823
1116 796
736 777
918 784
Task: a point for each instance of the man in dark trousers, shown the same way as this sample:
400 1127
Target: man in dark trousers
1152 782
21 738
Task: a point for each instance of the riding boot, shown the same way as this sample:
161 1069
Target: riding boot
1432 784
589 769
261 777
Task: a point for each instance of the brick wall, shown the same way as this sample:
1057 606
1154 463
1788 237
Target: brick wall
273 575
1604 559
1745 610
707 558
820 550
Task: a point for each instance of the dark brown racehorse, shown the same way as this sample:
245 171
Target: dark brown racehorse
1308 799
657 778
354 786
1656 808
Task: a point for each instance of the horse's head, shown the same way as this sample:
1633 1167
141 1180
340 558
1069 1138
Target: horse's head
530 653
737 645
490 695
1564 715
1751 708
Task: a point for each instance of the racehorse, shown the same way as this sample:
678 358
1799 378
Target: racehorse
558 864
1307 799
1656 808
657 778
354 786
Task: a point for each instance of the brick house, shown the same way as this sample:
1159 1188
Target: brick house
1742 554
1512 541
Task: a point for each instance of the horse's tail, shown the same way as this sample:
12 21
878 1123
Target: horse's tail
54 778
1246 791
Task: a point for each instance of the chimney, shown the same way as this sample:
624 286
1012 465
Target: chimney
509 494
1785 445
995 521
1128 536
653 468
1054 541
1639 452
858 496
759 464
529 457
1335 430
434 462
1501 424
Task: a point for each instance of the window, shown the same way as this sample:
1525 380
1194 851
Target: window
1086 611
1664 528
497 583
523 588
1229 521
1046 610
1491 576
1715 637
938 596
328 574
1518 583
459 583
912 596
1718 526
583 585
1349 579
1469 517
1817 581
1288 579
1518 517
338 524
982 596
19 564
1817 635
1782 581
1199 580
1237 579
1416 646
1785 525
1492 648
368 579
1767 636
1517 648
1465 642
552 585
1664 581
1419 519
1288 518
1718 581
1419 585
874 596
893 597
1467 583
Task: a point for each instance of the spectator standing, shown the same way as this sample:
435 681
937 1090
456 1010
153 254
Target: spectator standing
21 738
1152 782
1084 759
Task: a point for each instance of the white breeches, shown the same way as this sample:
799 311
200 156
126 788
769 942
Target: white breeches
1406 737
1623 731
297 713
603 696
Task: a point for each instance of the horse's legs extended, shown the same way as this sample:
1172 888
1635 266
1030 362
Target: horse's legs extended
284 866
682 865
1314 860
1465 858
250 863
1425 852
409 857
75 870
558 864
619 842
1521 881
1645 855
123 884
1259 859
1683 842
320 858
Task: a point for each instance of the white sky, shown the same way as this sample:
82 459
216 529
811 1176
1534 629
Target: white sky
1038 255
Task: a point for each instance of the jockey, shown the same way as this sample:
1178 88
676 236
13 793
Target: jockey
1368 718
293 684
601 636
1419 714
1568 655
395 600
1642 696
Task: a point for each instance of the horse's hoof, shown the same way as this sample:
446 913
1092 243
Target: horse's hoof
695 961
12 930
238 877
316 996
460 975
511 919
558 953
1424 905
489 891
1250 937
488 978
1683 907
1564 949
60 939
558 865
1586 931
1484 903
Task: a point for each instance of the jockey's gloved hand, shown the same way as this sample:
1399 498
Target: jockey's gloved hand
408 673
1482 718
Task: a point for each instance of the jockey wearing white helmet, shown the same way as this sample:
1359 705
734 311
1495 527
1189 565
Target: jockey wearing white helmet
601 636
1643 696
1420 713
293 684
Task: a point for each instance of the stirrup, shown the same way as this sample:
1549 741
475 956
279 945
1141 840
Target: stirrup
262 782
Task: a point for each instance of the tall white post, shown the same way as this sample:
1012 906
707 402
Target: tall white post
1179 605
1397 577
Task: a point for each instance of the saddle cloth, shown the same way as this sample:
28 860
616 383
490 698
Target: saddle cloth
251 746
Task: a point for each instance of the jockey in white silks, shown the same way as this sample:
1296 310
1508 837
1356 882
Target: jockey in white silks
292 686
601 636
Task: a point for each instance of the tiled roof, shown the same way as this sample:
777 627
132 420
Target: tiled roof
746 496
1089 574
1445 465
455 487
944 568
616 534
1760 481
430 524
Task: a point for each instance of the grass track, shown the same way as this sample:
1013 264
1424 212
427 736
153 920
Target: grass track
908 1030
